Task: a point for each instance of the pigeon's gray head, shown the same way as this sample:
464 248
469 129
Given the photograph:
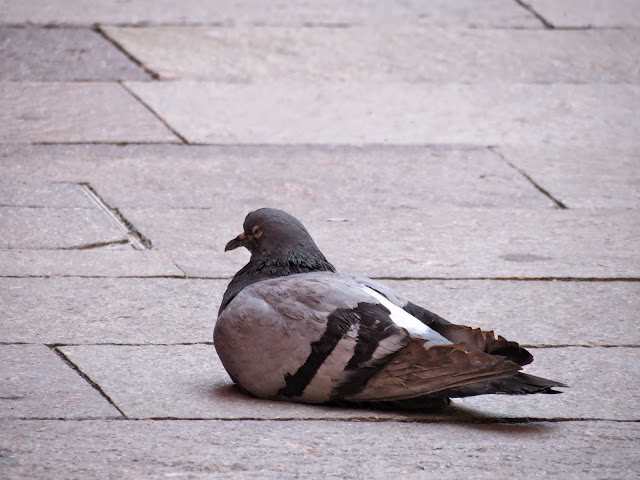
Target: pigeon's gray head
279 246
271 232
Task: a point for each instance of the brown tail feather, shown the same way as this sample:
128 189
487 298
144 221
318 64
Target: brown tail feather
519 384
474 339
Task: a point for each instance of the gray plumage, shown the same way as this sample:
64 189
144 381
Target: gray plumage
291 328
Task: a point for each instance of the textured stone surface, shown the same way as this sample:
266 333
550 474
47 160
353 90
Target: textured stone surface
108 310
601 385
370 121
75 112
583 178
422 242
241 178
393 54
589 13
398 113
312 449
54 228
119 261
189 382
301 12
52 195
35 383
61 54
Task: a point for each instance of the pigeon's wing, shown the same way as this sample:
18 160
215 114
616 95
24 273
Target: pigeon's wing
416 371
474 339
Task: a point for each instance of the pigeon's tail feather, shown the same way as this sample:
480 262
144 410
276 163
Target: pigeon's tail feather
416 371
474 339
519 384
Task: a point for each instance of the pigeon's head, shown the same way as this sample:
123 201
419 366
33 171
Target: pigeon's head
272 232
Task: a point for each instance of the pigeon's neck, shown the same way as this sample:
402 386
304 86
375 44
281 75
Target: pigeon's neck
264 267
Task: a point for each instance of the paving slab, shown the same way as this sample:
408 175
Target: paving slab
75 112
535 312
301 12
113 261
423 242
188 381
108 310
602 384
62 54
313 449
583 178
397 113
588 13
55 228
215 176
36 194
390 54
36 383
171 311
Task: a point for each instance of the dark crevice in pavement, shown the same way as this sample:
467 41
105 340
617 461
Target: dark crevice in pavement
117 344
530 9
67 419
179 277
509 279
88 379
121 49
179 268
542 190
90 246
329 25
441 418
438 147
155 114
546 25
137 239
9 205
497 279
115 144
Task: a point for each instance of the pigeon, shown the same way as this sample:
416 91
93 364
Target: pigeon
292 328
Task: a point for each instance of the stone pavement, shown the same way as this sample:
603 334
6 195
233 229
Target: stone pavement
483 158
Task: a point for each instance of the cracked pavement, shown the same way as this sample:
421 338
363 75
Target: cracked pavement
482 159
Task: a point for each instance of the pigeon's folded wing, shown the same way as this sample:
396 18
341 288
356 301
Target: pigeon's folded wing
416 371
474 339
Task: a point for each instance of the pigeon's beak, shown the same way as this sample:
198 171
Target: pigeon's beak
239 241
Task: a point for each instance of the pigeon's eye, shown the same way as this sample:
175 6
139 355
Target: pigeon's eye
256 232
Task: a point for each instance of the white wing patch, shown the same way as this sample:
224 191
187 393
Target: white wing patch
405 320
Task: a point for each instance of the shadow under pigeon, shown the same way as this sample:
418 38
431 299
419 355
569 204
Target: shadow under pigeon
231 394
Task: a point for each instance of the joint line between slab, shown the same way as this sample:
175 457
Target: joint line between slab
530 9
137 239
121 49
179 268
216 277
538 187
91 246
86 377
154 113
